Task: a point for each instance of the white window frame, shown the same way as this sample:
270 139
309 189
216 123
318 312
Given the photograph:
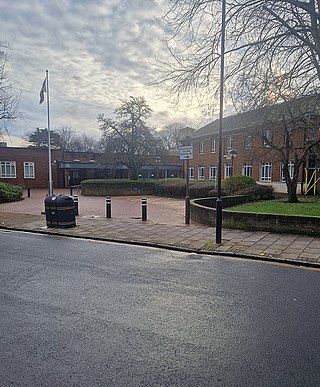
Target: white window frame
5 165
201 172
213 172
248 141
191 172
227 170
247 169
291 170
266 171
230 142
200 147
267 138
28 170
213 145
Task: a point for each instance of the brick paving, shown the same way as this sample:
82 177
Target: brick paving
164 228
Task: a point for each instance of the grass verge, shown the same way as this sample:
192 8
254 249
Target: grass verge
306 207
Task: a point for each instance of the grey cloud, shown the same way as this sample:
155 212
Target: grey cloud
97 51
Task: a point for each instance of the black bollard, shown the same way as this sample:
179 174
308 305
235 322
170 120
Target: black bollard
76 205
29 192
108 207
144 208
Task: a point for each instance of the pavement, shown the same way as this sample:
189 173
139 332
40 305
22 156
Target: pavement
164 228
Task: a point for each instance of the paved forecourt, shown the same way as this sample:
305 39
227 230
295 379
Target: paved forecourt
164 228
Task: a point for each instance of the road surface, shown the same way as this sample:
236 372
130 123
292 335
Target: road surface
82 313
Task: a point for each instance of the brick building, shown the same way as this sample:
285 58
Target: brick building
247 146
28 167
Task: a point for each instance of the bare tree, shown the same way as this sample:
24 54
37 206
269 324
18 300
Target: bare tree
127 139
287 133
9 102
85 143
68 138
264 37
171 135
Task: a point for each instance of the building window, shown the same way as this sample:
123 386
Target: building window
213 145
247 169
230 142
265 171
201 147
213 172
267 138
28 168
201 172
8 169
291 170
248 141
191 173
227 170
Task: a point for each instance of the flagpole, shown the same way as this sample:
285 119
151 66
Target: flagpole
50 184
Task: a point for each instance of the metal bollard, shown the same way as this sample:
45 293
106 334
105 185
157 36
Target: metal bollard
76 205
108 207
144 208
29 194
71 191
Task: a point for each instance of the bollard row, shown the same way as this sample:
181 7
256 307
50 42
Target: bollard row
108 207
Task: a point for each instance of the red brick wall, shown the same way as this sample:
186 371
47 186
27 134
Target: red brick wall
40 159
256 155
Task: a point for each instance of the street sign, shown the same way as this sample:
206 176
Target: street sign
186 152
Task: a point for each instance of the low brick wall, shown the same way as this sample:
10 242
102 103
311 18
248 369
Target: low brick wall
306 225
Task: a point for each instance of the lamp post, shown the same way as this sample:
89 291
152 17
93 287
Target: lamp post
232 153
186 153
50 182
219 199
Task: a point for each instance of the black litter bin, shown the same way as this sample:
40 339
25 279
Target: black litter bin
60 211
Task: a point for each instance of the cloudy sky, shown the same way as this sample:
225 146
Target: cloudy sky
98 52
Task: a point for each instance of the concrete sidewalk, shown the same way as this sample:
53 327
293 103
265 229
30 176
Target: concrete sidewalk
164 228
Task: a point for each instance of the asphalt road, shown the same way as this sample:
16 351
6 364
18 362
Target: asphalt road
81 313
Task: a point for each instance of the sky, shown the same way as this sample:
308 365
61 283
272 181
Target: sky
97 52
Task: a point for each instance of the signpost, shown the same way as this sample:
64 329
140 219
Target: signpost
186 153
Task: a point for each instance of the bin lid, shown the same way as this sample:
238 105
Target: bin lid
59 200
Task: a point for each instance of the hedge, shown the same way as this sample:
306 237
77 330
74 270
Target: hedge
171 188
10 193
176 188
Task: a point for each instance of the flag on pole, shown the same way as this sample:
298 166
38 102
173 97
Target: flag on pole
43 90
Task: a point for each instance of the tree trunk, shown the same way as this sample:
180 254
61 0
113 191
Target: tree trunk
133 175
292 191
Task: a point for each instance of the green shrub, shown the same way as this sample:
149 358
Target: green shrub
175 188
10 193
234 184
258 192
201 189
102 187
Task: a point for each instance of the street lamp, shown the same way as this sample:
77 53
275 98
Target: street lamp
219 198
232 153
186 133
